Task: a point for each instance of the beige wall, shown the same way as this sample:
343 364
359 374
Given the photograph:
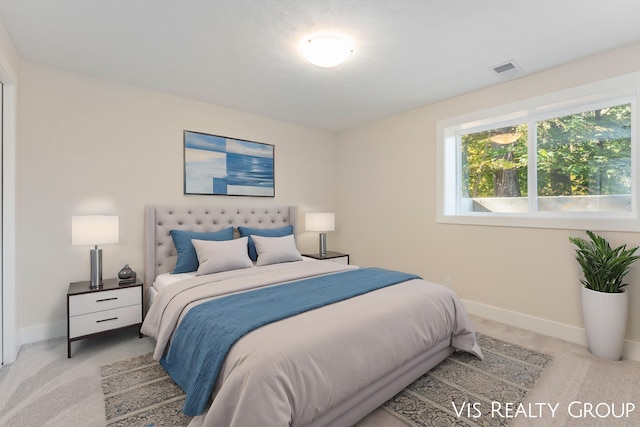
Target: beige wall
387 211
91 146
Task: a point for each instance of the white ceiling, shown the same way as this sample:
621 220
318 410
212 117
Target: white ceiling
244 54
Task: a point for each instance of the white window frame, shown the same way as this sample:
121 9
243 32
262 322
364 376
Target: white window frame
620 90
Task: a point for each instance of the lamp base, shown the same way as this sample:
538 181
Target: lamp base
323 244
96 269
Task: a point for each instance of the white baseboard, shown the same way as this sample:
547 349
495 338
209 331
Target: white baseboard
41 332
543 326
535 324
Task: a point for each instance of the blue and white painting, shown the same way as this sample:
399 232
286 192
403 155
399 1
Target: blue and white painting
226 166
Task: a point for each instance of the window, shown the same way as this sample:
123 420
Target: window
562 161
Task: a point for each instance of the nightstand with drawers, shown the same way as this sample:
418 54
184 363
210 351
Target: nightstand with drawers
330 256
93 312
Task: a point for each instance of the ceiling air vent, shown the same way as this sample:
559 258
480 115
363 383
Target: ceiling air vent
507 70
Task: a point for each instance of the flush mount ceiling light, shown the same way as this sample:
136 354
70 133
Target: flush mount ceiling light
326 50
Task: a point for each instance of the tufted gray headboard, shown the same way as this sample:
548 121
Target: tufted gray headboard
160 253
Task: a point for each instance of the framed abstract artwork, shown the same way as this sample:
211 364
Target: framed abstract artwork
218 165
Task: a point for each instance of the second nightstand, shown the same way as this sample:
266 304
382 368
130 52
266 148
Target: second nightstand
92 312
331 256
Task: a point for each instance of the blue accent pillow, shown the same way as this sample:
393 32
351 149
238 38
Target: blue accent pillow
187 257
265 232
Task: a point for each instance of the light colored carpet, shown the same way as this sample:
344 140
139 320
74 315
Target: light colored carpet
44 388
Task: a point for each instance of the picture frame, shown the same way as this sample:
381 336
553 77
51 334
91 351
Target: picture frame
224 166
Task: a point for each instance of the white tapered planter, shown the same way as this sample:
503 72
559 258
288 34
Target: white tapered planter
605 320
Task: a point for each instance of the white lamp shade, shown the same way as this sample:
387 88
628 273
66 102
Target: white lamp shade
320 221
94 229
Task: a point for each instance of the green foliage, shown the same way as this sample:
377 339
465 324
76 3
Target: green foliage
587 153
483 161
604 268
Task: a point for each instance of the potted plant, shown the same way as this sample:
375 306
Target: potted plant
604 300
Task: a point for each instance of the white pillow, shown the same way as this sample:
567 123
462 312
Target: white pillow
273 250
215 256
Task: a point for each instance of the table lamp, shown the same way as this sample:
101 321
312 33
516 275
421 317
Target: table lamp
94 230
321 222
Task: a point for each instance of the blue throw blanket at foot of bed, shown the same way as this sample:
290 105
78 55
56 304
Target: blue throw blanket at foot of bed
216 325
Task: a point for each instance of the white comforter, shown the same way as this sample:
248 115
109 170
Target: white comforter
291 371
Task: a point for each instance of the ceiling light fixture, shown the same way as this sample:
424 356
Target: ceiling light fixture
326 50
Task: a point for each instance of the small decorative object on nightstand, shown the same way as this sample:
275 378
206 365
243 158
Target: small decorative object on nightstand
330 256
126 275
93 312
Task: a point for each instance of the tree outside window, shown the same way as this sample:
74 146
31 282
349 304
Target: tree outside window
582 163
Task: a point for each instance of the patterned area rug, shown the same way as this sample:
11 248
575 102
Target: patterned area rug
139 393
461 391
465 391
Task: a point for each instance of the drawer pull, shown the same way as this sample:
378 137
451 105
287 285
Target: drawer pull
106 320
106 299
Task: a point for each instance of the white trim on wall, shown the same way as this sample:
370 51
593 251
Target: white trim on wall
9 176
549 328
42 332
9 107
543 326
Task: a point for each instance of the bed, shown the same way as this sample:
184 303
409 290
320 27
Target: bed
329 366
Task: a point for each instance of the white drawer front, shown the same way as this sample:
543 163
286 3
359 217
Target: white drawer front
106 300
104 320
340 260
